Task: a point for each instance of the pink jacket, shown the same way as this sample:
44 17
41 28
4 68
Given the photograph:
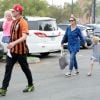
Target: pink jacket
6 28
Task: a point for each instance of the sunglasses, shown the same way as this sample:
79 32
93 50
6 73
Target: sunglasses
71 20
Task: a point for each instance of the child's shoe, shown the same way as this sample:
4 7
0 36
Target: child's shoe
3 92
29 88
89 74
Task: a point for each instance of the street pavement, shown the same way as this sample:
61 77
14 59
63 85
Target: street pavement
51 83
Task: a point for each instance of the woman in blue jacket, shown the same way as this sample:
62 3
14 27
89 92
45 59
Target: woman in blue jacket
72 36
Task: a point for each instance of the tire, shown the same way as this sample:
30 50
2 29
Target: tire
84 46
87 45
89 42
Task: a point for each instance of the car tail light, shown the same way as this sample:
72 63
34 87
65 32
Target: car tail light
40 34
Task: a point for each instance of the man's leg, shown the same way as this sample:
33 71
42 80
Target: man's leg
25 67
8 71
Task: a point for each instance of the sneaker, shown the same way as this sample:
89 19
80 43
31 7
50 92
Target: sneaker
29 88
89 74
68 74
3 92
76 73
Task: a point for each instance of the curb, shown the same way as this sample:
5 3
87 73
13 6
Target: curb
30 60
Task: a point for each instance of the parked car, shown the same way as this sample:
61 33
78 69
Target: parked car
1 51
85 32
44 36
96 28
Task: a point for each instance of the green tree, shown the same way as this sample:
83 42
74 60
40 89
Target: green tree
31 7
56 12
86 8
67 11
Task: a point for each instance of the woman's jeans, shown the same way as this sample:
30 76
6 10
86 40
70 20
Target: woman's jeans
73 61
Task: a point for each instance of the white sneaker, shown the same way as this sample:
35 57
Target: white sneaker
76 73
89 74
68 74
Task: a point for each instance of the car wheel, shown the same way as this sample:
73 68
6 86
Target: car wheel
87 45
84 47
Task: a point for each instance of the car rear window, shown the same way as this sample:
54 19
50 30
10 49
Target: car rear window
44 25
33 25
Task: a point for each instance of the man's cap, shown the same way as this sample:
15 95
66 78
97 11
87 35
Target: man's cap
18 7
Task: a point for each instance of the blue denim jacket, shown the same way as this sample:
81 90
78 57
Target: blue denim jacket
73 38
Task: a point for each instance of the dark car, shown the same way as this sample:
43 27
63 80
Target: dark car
1 46
85 32
96 28
1 51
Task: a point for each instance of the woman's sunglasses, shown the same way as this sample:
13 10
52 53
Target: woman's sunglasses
71 20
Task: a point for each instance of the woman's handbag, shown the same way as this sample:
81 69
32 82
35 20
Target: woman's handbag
63 61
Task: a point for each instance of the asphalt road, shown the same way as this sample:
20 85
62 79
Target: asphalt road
51 83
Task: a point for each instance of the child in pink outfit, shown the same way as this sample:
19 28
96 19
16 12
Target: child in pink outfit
6 28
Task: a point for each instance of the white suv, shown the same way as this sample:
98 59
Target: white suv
44 36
